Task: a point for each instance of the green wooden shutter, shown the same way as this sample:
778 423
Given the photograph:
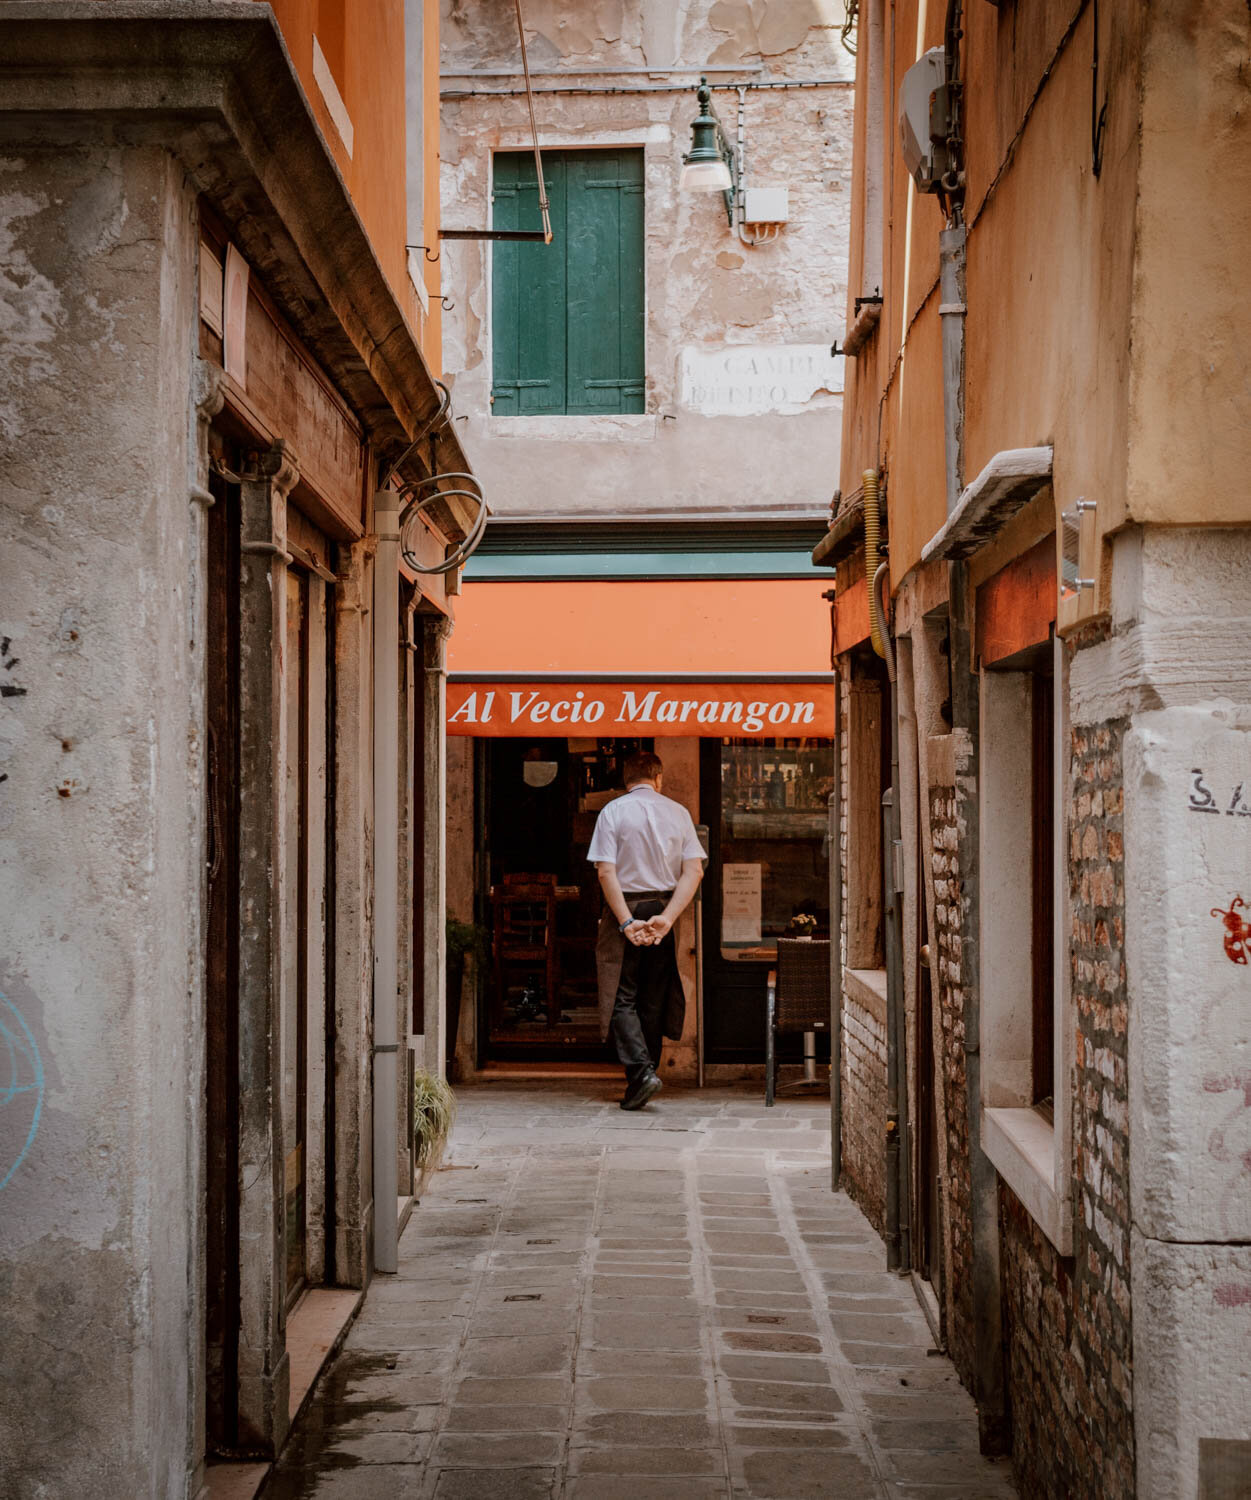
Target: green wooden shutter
528 291
605 281
567 323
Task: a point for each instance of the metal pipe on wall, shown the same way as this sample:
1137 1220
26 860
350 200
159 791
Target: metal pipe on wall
386 627
836 958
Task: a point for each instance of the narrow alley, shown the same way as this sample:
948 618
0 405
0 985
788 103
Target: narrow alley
592 1305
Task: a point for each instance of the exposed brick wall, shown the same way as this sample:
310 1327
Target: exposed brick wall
951 911
1067 1324
864 1108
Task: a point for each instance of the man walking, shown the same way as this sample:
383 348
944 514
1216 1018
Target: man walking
649 862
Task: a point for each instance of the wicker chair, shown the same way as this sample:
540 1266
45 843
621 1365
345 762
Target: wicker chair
798 999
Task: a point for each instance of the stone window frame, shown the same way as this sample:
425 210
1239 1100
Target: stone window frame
651 138
1031 1153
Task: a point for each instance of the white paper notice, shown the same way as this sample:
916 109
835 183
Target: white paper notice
740 903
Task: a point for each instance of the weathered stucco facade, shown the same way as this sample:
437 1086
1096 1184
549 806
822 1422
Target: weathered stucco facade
1092 1206
750 325
189 590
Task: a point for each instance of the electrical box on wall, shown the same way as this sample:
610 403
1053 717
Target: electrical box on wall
1077 576
924 118
766 205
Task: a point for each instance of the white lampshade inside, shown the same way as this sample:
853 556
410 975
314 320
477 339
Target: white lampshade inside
705 177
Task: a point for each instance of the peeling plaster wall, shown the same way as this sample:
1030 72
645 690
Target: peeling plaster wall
101 623
706 292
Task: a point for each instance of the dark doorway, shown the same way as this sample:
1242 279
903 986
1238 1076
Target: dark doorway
540 898
222 972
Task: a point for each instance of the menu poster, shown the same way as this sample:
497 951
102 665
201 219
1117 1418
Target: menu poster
740 904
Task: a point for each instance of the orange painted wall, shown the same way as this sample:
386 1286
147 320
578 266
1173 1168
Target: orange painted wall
364 45
1051 254
753 625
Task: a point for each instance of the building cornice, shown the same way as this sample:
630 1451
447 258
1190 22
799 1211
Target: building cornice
212 82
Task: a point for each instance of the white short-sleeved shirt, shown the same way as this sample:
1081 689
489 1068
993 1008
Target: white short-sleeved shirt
647 837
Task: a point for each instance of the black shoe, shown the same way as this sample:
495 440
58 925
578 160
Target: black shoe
646 1088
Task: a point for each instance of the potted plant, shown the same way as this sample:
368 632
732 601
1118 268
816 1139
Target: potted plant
802 925
434 1109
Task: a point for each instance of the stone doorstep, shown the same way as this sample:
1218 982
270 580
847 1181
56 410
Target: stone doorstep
316 1329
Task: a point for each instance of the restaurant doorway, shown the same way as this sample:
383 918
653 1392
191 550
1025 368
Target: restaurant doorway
764 802
540 899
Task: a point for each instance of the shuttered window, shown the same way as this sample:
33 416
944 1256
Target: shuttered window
568 317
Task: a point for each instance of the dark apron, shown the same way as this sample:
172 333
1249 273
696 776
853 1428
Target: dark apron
610 946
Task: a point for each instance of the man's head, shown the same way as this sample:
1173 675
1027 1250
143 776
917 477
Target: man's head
643 765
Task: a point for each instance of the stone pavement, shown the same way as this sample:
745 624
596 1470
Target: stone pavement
593 1305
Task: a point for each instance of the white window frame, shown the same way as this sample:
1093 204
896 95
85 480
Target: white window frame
1032 1154
610 427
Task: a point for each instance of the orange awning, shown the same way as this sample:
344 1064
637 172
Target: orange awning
764 627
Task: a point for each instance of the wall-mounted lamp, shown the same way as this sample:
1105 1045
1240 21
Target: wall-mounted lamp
710 165
715 164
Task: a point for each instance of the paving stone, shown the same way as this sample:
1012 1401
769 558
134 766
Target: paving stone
882 1330
482 1450
747 1244
517 1356
776 1367
764 1318
658 1392
796 1476
928 1436
478 1417
494 1484
773 1281
882 1354
528 1390
382 1447
633 1427
771 1343
777 1435
637 1362
659 1461
776 1395
603 1487
622 1331
762 1300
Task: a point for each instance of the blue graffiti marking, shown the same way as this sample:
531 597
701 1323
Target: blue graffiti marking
21 1076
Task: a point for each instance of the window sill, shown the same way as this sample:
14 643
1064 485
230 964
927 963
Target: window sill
867 988
637 427
1021 1145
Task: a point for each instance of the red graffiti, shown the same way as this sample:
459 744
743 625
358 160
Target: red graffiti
1232 1294
1237 931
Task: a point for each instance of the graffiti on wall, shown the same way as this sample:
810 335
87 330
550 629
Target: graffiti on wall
1237 931
21 1088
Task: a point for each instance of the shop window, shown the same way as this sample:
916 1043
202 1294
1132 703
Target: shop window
774 818
567 318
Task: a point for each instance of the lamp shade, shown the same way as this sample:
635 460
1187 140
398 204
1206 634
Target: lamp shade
705 177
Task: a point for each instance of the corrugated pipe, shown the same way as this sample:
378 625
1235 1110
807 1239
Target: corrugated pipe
872 539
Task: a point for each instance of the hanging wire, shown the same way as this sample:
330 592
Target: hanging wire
534 129
444 405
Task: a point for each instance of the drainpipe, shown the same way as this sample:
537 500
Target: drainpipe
836 953
898 1209
951 310
386 873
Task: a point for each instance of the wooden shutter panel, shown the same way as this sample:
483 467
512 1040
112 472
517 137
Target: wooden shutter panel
528 291
567 318
605 281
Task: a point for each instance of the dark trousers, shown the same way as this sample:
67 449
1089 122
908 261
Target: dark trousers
638 1012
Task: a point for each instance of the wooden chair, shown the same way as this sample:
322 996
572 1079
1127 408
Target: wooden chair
798 1000
523 937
